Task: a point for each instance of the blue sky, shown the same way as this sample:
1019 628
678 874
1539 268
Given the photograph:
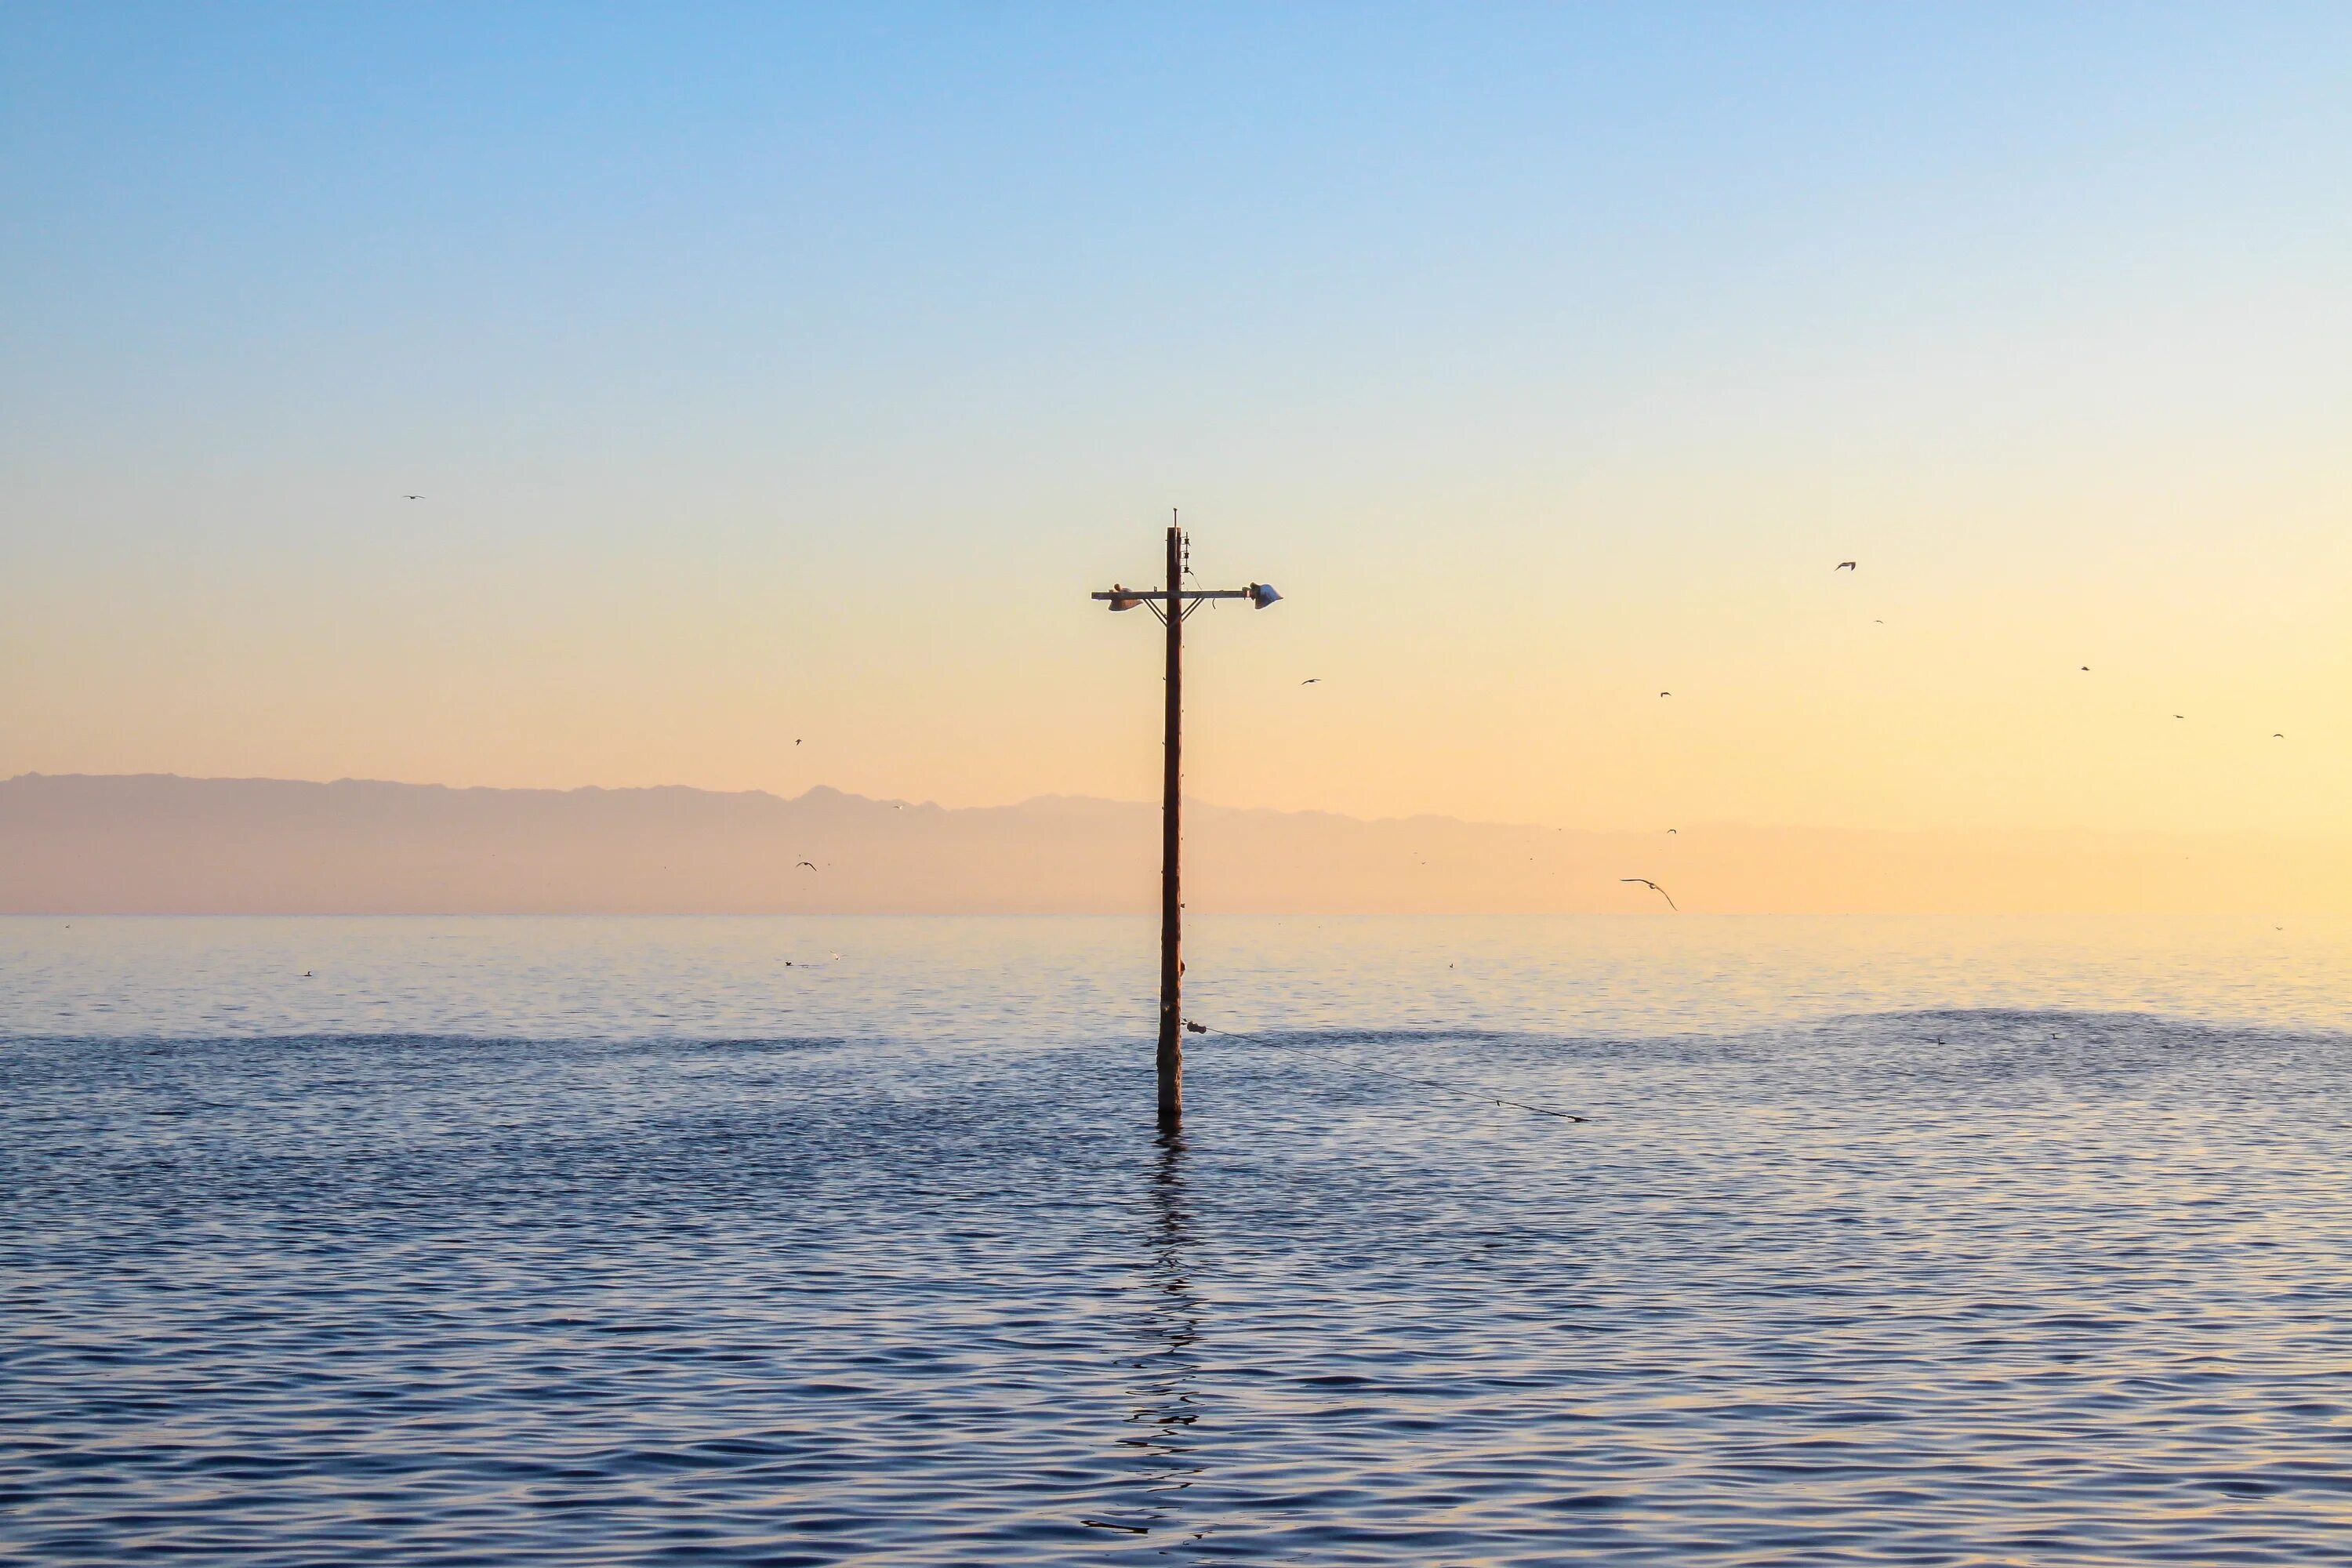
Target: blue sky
772 369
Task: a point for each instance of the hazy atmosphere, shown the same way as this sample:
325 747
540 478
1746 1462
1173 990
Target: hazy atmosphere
775 383
159 845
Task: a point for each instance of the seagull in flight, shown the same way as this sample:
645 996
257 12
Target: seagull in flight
1845 566
1312 681
1666 694
405 497
2278 735
810 864
1675 830
1657 890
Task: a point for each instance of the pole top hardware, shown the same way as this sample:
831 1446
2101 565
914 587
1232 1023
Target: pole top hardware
1119 597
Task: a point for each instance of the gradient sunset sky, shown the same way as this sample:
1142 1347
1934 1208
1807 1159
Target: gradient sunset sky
775 375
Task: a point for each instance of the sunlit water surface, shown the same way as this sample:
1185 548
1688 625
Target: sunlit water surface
620 1241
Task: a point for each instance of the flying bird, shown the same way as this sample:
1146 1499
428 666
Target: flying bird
412 498
2181 715
810 864
1844 566
1312 681
2278 735
2086 669
1674 830
1656 889
1666 694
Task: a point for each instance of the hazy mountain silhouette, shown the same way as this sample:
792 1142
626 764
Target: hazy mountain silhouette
162 844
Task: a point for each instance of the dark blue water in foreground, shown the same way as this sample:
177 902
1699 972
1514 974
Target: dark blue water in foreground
1937 1242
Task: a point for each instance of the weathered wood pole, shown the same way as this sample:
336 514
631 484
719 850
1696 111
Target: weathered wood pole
1171 899
1176 599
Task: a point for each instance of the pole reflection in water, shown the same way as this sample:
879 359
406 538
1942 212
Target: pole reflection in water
1163 1441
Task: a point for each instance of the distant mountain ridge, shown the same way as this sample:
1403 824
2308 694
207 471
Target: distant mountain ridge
155 843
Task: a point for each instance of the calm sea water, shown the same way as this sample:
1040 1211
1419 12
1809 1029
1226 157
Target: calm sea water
621 1241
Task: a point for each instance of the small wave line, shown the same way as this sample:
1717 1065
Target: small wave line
1401 1077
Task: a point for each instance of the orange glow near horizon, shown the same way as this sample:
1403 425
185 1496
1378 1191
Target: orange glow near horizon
1939 687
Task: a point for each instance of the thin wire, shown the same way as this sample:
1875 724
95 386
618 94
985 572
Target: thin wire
1402 1078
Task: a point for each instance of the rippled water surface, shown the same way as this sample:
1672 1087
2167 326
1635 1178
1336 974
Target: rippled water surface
621 1241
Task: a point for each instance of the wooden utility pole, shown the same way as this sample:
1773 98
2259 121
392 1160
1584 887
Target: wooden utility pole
1171 605
1171 1059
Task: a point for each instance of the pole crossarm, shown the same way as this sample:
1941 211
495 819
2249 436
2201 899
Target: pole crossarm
1185 593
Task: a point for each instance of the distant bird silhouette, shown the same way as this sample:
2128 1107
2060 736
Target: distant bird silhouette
796 743
306 975
2181 715
2086 669
1657 890
412 498
1674 830
1666 694
1845 566
1312 681
2278 735
810 864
